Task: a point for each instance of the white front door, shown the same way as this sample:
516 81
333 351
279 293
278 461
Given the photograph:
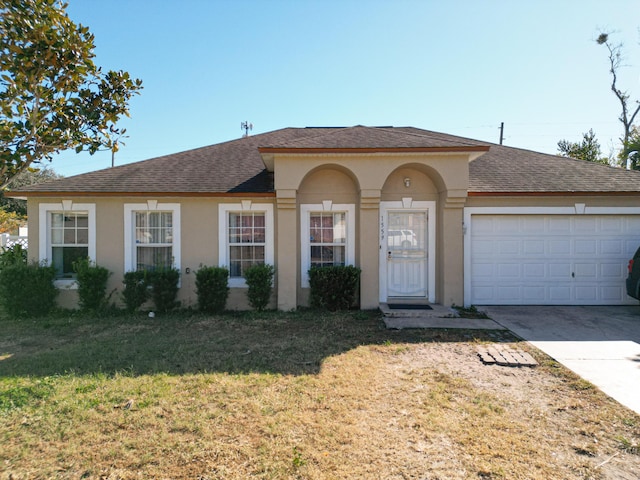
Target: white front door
407 254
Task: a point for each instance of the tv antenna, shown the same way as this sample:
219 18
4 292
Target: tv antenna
246 126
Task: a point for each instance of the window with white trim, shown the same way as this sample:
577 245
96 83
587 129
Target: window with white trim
151 235
327 236
67 234
154 240
69 241
247 241
245 237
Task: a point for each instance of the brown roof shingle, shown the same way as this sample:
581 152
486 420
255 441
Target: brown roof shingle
236 167
505 170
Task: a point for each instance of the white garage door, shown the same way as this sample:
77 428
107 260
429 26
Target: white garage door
552 259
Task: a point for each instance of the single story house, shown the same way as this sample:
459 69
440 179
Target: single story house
429 217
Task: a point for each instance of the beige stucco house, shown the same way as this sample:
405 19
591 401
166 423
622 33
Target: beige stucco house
428 217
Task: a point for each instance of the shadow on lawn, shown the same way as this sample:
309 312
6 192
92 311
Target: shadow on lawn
293 343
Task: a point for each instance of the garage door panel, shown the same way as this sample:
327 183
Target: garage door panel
585 270
552 259
558 294
509 247
558 225
560 247
533 247
584 225
560 271
586 293
612 247
532 270
585 247
613 271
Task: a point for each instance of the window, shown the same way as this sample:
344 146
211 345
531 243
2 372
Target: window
69 241
245 237
154 240
152 235
67 233
327 236
246 241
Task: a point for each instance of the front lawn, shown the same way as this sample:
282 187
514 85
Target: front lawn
292 395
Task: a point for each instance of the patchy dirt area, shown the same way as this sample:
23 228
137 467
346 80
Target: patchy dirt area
542 418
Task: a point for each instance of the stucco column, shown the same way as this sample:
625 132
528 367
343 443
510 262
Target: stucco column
369 240
287 249
451 241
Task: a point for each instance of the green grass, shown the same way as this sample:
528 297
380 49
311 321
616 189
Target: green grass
276 395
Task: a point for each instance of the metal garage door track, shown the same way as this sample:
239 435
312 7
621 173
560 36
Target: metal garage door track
601 344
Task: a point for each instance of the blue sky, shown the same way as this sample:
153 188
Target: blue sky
459 67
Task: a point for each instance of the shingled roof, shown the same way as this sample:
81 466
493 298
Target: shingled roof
236 167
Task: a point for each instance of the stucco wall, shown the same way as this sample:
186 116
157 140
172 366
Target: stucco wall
199 242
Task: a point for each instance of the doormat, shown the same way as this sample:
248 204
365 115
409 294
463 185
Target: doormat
402 306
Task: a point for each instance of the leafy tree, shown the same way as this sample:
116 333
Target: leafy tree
588 149
10 222
52 95
629 111
632 149
31 176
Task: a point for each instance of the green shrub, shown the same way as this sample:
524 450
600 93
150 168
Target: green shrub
92 284
212 288
334 287
27 290
164 288
136 290
260 282
12 255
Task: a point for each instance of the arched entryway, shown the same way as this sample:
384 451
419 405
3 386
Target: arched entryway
408 237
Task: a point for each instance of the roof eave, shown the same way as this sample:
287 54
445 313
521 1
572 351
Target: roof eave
539 193
268 153
41 194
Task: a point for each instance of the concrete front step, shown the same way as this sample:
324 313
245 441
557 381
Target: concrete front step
436 317
436 311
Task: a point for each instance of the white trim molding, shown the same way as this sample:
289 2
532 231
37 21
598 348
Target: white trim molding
408 205
44 232
129 226
305 244
223 234
577 209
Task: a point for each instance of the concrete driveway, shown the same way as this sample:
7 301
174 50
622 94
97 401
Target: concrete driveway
601 344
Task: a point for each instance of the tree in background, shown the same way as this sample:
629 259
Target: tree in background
30 176
588 149
52 95
632 149
629 110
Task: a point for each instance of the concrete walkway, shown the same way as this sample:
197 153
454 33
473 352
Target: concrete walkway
601 344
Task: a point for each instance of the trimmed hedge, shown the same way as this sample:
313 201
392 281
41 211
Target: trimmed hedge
27 290
212 288
259 279
164 288
136 290
92 284
334 287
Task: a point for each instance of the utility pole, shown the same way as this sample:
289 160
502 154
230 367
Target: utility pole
501 132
